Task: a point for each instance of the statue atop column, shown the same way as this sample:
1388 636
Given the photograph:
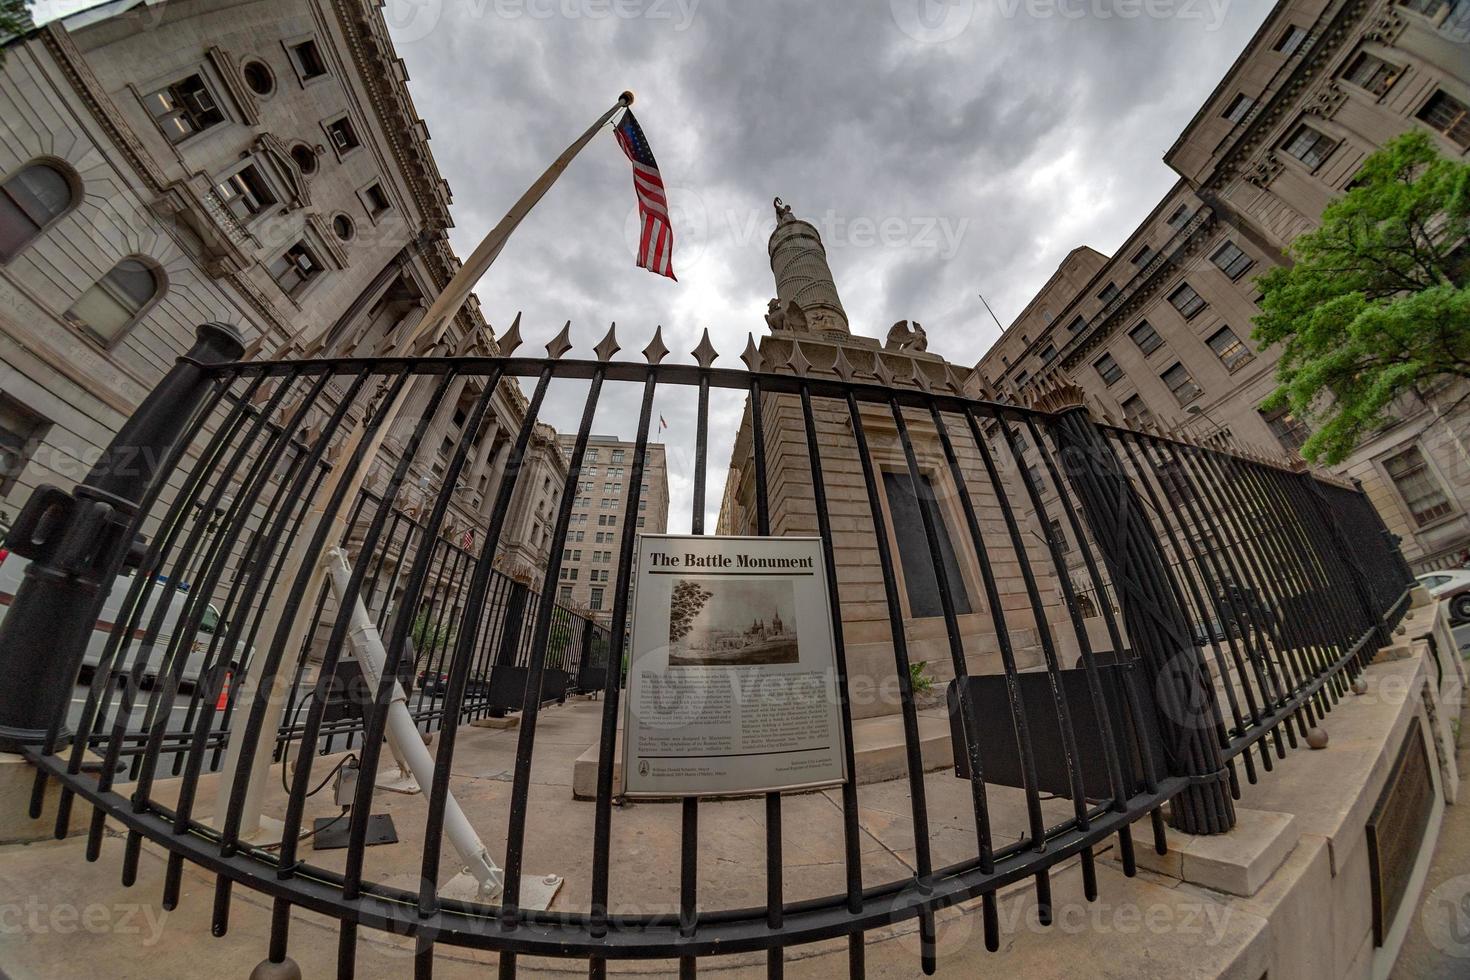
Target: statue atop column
806 295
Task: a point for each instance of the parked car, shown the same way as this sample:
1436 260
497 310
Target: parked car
12 572
1452 584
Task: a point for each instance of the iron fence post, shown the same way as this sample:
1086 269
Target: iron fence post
1158 628
77 543
1372 615
510 636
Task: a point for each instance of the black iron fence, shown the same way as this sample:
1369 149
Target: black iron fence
1132 623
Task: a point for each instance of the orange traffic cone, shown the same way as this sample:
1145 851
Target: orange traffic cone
224 692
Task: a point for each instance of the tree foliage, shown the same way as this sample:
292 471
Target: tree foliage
1376 304
684 605
15 19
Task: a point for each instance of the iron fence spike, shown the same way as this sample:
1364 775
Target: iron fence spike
608 346
561 343
655 352
511 339
797 361
842 366
705 353
752 355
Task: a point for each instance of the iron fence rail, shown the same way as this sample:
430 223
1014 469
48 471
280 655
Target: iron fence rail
1293 576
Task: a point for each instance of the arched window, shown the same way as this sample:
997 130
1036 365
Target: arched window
116 301
29 201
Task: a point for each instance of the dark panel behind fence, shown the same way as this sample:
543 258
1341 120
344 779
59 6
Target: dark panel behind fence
1126 621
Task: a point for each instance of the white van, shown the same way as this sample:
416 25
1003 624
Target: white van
12 572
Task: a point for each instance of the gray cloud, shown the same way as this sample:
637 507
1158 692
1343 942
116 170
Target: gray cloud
1031 134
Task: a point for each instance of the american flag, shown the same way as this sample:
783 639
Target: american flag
656 235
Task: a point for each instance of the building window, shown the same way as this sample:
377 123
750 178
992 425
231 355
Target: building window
343 136
1448 115
343 227
1290 39
1233 353
258 78
1239 107
1428 8
1180 383
1186 301
1108 369
1180 217
1372 73
641 521
1078 324
1418 485
29 201
1142 256
21 430
1021 378
1109 292
305 159
296 269
1146 337
564 595
1136 413
617 456
1289 430
918 565
595 602
184 108
1231 260
245 193
308 60
375 199
1310 146
1063 545
116 301
1048 354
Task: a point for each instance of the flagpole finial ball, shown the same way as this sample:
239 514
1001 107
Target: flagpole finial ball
626 98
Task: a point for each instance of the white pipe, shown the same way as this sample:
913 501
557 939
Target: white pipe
403 735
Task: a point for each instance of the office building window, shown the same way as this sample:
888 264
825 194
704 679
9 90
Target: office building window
1136 413
564 595
1239 107
1057 535
1186 301
1418 485
1142 256
1048 354
1233 353
918 566
1231 260
21 430
1372 73
307 58
1448 115
1309 146
1078 324
1291 39
1108 369
1180 383
343 136
1108 292
29 201
595 602
245 193
375 199
117 300
297 268
1289 430
1146 337
184 108
1180 217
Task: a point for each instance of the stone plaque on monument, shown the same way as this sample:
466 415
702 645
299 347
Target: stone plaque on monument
1396 829
732 683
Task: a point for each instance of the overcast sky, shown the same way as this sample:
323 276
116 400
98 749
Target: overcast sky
944 147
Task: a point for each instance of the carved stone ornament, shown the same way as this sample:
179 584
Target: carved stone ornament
903 336
1327 100
1262 170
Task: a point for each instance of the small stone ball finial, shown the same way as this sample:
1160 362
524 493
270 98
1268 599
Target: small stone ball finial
1317 738
284 970
1360 686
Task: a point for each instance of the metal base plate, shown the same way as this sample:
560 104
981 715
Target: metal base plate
331 833
537 891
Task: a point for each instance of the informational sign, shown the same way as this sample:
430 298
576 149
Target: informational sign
732 679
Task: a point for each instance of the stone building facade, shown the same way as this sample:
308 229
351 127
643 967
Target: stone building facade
255 163
809 336
593 546
1159 332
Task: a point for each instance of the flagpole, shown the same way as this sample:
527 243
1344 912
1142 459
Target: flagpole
432 327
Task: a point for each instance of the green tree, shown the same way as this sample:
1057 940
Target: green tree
15 19
1376 305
